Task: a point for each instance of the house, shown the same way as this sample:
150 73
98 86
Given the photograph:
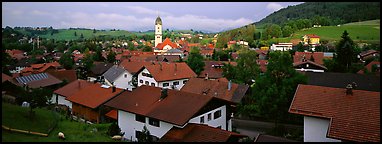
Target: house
40 68
99 68
87 103
214 69
207 52
60 95
338 80
119 77
174 51
38 80
64 75
163 58
165 46
161 109
373 67
316 57
231 44
165 75
338 114
312 39
228 91
262 54
281 47
368 54
16 54
19 66
307 65
200 133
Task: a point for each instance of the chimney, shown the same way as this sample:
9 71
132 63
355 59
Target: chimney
163 93
229 85
349 89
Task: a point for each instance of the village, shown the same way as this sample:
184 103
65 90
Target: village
178 90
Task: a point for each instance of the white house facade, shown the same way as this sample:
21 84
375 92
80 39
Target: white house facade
60 100
214 118
119 77
281 47
316 129
145 78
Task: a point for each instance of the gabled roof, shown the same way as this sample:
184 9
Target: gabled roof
369 68
177 108
167 41
368 52
5 77
213 69
170 71
353 117
100 67
216 88
198 133
68 75
39 68
113 73
312 36
297 64
340 80
161 58
318 57
133 67
72 88
38 80
93 96
112 114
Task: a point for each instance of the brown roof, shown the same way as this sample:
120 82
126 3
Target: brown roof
198 133
177 108
112 114
72 88
296 64
352 117
133 67
213 69
368 52
69 75
93 96
318 56
34 82
39 68
5 77
100 67
369 67
215 88
170 71
170 58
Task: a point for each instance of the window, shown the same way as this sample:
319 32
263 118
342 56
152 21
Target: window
184 82
202 119
140 81
165 84
217 114
140 118
154 122
175 83
209 117
153 84
125 75
146 82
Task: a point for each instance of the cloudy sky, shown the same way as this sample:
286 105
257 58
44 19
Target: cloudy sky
138 16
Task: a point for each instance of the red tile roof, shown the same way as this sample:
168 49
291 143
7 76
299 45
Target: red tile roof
198 133
231 42
369 52
167 41
39 68
73 87
369 67
206 51
318 56
133 67
215 88
170 71
313 36
263 65
44 82
5 77
295 64
112 114
352 117
212 71
93 96
68 75
78 57
177 108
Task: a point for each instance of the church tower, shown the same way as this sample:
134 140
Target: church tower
158 31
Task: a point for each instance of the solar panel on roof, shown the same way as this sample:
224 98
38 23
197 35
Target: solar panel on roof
33 77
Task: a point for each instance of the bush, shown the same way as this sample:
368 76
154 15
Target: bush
114 130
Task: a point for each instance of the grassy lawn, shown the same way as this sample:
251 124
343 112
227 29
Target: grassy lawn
66 34
74 131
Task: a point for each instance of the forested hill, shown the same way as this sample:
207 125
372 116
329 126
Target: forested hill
337 12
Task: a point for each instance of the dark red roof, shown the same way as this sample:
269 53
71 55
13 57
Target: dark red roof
318 56
263 65
295 64
72 88
177 108
40 68
198 133
215 88
5 77
213 69
313 36
112 114
167 41
352 117
93 96
68 75
41 82
133 67
369 67
170 71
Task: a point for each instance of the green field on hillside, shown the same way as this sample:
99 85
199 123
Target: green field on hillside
66 34
16 117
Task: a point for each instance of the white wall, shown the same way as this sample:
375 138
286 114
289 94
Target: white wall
315 130
17 70
124 83
221 121
61 100
128 124
160 84
275 47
